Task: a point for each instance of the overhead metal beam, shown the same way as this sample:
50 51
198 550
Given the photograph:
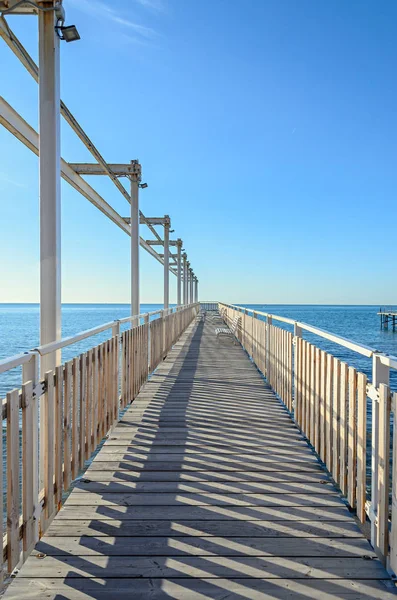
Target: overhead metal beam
96 169
155 221
22 54
16 125
160 243
22 9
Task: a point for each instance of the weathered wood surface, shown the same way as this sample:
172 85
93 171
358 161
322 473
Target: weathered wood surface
205 489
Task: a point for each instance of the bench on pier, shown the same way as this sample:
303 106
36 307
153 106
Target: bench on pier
228 331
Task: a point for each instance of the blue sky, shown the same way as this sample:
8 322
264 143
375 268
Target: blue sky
266 129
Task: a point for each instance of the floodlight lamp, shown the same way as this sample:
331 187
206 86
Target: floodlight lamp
172 230
143 185
68 33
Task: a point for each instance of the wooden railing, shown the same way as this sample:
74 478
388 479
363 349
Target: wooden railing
78 403
339 409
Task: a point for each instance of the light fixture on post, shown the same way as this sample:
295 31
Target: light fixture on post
68 33
143 185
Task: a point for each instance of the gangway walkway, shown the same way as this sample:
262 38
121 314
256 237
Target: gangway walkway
205 489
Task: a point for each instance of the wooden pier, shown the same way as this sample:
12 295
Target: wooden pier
205 489
388 315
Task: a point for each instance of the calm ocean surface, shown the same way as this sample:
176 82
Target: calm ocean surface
19 329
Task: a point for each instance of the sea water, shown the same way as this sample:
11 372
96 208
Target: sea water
19 330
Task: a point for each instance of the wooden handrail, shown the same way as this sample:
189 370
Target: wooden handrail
329 402
79 403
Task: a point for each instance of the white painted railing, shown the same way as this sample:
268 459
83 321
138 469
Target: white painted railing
329 401
78 403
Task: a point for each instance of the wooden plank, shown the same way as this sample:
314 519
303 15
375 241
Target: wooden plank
206 546
185 512
343 428
89 405
336 420
13 489
191 566
83 395
48 408
80 497
352 438
323 390
198 589
29 468
317 396
319 487
95 398
58 435
75 417
67 429
328 413
361 445
198 528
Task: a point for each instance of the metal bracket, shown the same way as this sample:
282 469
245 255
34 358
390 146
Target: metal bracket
372 392
39 389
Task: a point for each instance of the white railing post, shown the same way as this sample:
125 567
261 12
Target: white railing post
50 187
167 224
297 335
146 321
116 328
268 357
380 374
135 180
179 272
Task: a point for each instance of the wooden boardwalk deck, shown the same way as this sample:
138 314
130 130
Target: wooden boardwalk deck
205 489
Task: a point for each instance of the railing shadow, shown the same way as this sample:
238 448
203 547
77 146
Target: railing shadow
150 528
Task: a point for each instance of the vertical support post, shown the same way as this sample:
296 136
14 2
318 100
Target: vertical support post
380 374
135 180
167 223
179 272
191 285
184 279
187 282
50 187
196 290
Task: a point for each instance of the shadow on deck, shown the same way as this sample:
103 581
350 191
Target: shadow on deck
205 489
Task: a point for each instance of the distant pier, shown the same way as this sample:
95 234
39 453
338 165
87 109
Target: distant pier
388 314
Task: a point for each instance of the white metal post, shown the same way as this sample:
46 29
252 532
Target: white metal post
187 282
50 187
189 271
179 273
167 224
196 289
191 286
184 279
135 179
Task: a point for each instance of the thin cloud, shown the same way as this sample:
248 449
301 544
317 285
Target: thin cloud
155 5
102 11
5 179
